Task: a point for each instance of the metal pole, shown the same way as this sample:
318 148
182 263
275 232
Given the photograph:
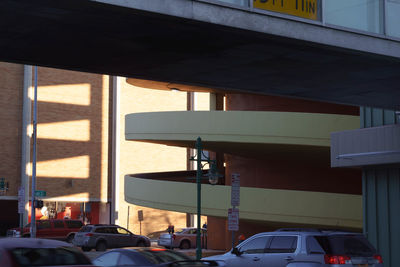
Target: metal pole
33 211
198 181
233 239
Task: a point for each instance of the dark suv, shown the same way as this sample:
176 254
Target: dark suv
103 236
303 247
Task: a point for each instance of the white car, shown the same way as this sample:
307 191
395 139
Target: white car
302 248
183 238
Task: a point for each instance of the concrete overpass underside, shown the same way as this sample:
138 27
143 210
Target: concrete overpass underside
100 38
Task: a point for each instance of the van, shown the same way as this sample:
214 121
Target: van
52 229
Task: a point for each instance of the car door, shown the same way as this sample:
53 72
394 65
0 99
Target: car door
281 250
59 229
124 238
107 234
251 253
44 229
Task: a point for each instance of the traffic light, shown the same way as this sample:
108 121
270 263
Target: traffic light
2 184
38 204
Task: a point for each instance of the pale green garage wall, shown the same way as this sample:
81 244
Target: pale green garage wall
381 196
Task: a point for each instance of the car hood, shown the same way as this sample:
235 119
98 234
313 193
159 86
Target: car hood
220 257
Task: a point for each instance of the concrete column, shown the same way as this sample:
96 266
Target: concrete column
26 136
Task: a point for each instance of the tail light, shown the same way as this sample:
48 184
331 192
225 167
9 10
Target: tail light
89 234
378 258
337 259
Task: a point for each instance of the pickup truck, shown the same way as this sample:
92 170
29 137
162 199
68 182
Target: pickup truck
51 229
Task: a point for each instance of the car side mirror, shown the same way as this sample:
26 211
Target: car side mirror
236 251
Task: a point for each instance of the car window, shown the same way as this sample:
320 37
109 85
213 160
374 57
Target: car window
85 229
313 246
256 245
356 245
43 224
179 231
58 224
122 231
112 230
192 231
107 259
125 260
102 230
74 224
49 256
283 244
158 256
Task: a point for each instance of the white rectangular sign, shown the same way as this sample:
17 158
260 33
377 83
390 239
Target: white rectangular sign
235 190
233 219
21 198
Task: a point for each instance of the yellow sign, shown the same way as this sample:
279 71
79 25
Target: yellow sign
301 8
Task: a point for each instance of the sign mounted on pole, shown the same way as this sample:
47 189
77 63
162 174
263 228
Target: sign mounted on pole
140 215
21 198
40 193
235 190
233 219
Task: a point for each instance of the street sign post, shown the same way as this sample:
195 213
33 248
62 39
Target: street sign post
21 202
233 219
235 190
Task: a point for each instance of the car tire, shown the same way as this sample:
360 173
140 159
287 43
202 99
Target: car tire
185 244
86 249
101 246
70 238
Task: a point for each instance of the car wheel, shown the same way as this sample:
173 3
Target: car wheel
70 238
141 244
185 244
86 249
101 246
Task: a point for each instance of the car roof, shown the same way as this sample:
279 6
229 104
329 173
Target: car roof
308 231
188 228
15 242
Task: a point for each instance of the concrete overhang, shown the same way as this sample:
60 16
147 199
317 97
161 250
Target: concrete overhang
366 147
258 204
203 44
245 133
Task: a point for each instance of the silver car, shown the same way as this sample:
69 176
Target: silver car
301 248
183 238
103 236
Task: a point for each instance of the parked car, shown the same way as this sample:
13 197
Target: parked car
303 247
183 238
51 229
103 236
147 257
22 252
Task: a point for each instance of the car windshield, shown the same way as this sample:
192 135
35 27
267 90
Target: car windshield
85 229
352 245
180 230
49 256
158 256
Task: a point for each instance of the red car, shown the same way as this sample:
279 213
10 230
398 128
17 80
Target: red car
21 252
52 229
